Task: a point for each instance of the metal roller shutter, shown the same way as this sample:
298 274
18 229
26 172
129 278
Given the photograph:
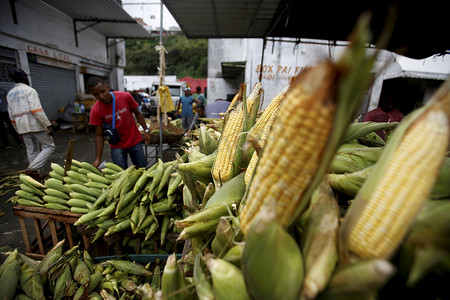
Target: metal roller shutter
56 87
7 63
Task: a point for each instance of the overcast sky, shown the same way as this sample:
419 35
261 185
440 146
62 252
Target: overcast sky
149 11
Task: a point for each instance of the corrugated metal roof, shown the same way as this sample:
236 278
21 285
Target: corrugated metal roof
418 33
113 20
223 18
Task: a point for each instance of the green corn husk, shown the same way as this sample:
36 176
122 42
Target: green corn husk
31 284
353 160
63 282
234 255
360 130
164 179
428 241
230 193
223 240
372 140
206 143
200 169
13 256
52 256
22 297
272 263
319 242
360 280
349 183
131 267
156 278
82 273
441 188
174 183
10 277
203 287
198 229
228 281
173 285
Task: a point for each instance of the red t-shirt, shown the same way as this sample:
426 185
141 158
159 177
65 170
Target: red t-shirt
125 124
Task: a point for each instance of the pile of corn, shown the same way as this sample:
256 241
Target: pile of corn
262 206
74 275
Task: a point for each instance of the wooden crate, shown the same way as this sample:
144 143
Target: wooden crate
58 223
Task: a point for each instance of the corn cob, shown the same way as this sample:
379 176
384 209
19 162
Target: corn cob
203 287
56 184
261 130
272 263
31 182
226 150
56 206
26 195
252 99
58 169
172 281
10 277
56 193
31 189
131 267
30 283
77 176
396 189
98 178
27 202
56 176
278 177
319 242
228 281
268 115
360 280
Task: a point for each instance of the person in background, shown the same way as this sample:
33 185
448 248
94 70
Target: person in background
219 106
200 96
386 112
130 137
4 119
187 114
30 121
195 120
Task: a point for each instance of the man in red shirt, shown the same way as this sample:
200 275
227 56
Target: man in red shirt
386 112
130 137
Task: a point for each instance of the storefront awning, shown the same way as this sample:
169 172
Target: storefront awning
419 30
104 16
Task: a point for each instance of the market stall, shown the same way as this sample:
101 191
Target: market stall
294 202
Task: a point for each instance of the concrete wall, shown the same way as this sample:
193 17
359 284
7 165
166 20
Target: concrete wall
49 34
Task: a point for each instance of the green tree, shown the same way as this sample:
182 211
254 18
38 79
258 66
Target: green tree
185 57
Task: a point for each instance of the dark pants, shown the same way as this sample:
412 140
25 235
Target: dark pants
137 156
4 119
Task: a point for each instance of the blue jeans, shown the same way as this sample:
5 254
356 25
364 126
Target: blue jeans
120 156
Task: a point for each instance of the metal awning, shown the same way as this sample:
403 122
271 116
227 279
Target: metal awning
420 28
104 16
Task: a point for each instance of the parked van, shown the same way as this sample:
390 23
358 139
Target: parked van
176 89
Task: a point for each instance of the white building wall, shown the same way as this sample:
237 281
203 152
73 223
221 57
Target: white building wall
49 34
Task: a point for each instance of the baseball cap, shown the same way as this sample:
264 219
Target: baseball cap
17 74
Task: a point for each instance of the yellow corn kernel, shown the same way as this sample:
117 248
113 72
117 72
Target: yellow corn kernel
251 99
402 189
294 147
268 115
226 150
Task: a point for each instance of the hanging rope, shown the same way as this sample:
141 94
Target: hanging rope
161 95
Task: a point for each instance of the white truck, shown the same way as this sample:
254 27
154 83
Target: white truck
176 89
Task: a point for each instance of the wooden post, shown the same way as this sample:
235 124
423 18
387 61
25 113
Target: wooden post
69 156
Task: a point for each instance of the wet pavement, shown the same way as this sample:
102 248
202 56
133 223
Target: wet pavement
15 160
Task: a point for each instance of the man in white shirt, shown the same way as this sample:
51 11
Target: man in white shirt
29 120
